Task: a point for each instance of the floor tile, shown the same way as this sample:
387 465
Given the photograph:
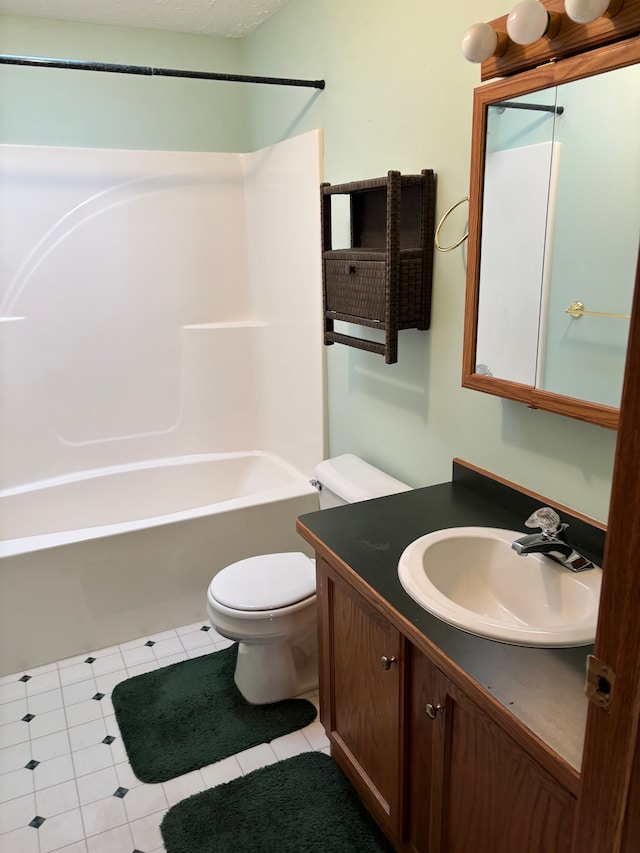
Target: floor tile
145 800
74 776
99 785
118 752
140 669
57 799
257 756
77 847
118 840
126 776
81 691
16 784
106 706
171 659
110 663
105 682
12 690
316 736
50 746
74 674
146 832
199 652
141 654
196 640
17 813
92 759
40 703
87 734
53 772
60 831
47 723
12 712
43 682
290 745
83 712
25 840
14 757
103 815
221 771
13 733
184 786
164 648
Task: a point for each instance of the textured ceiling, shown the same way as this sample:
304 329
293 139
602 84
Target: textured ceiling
233 18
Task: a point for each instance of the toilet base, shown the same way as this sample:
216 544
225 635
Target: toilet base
267 673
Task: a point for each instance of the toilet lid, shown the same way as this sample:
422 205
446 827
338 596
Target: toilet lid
266 582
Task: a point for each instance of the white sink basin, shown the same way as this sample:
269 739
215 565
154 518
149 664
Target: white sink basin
471 578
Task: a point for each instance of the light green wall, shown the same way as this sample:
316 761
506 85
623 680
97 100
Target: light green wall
80 108
399 96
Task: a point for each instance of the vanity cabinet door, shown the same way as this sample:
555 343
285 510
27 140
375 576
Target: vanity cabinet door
425 742
361 676
489 795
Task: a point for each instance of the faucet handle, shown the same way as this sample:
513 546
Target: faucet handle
546 519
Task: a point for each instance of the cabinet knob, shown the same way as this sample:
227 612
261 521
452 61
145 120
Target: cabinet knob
433 710
386 662
350 269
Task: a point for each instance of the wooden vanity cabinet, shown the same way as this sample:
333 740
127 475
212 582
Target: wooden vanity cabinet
487 793
436 771
361 700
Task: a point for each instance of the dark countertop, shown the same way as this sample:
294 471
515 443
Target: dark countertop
543 688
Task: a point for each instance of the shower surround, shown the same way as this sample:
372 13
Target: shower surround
161 381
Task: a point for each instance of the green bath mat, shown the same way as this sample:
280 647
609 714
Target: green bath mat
190 714
302 805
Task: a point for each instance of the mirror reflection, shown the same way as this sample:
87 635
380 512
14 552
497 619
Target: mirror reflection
560 231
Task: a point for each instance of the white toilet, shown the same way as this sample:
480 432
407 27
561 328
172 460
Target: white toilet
268 603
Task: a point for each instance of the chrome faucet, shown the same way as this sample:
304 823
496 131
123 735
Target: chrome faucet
551 541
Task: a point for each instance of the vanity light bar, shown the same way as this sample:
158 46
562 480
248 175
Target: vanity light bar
538 30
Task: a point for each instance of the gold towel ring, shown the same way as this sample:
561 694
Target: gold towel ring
441 223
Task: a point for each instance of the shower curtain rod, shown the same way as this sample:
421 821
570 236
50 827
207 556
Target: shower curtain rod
148 71
515 105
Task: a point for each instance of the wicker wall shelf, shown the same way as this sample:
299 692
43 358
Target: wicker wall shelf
383 280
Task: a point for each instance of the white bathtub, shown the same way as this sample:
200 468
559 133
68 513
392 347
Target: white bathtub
95 559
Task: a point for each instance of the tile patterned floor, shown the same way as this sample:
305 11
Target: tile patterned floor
65 782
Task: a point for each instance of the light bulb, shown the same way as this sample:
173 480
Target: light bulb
527 22
585 11
479 43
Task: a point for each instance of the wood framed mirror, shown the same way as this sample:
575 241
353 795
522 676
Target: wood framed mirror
554 226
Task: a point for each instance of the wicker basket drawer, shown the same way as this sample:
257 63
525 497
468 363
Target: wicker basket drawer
356 288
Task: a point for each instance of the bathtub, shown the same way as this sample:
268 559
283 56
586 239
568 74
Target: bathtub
97 558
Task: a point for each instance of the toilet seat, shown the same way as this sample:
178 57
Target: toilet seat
265 583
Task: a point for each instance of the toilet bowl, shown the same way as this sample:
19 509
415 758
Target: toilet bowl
267 604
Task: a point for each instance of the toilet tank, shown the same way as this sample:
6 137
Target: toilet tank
348 479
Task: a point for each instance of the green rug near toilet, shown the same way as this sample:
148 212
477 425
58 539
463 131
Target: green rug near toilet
190 714
301 805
